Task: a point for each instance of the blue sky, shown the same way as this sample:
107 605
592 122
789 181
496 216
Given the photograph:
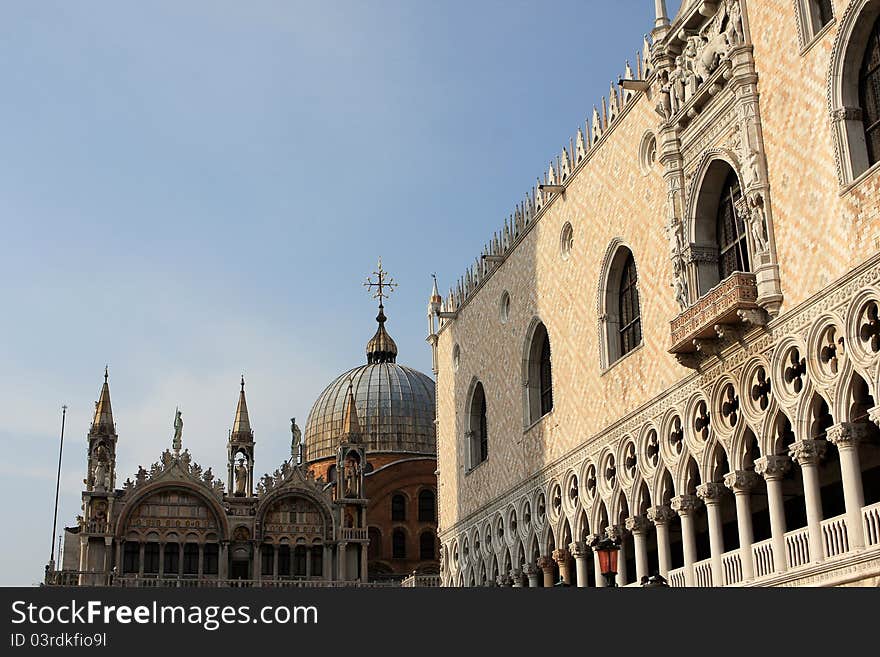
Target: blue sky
192 190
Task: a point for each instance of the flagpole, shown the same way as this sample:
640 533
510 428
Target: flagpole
57 487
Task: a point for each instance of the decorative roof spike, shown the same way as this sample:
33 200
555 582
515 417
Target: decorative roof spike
597 126
628 75
351 426
566 164
580 151
613 104
605 120
103 419
550 176
241 425
647 66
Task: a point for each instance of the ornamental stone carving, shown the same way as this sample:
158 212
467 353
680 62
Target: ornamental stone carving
808 452
660 515
774 466
579 549
561 556
847 435
637 524
741 481
685 504
710 492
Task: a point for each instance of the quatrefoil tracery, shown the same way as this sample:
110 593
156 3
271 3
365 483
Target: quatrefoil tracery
676 436
795 372
869 331
730 406
761 389
831 347
701 421
629 460
653 449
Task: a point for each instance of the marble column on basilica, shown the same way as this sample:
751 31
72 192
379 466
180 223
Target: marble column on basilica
591 542
660 516
141 560
580 551
684 506
711 493
223 566
257 569
807 453
364 571
161 560
742 482
773 469
533 574
638 527
562 557
846 436
341 561
327 563
545 563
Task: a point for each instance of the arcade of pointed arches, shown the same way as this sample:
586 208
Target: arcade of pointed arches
771 467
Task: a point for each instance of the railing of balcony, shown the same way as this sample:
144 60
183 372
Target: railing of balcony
871 518
835 540
762 555
797 544
731 564
703 572
353 533
676 577
415 581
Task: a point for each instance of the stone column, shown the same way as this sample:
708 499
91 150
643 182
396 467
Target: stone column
591 541
274 561
140 559
223 566
711 494
327 563
562 559
364 555
616 533
773 469
660 516
201 559
515 577
741 483
531 571
341 561
638 526
580 552
684 506
808 453
161 560
846 436
546 565
257 572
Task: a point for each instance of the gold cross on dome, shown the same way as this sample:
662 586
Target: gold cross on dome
384 284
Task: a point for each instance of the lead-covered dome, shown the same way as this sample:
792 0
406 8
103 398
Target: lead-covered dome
395 405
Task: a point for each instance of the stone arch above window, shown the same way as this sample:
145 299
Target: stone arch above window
620 315
477 435
538 374
719 235
853 93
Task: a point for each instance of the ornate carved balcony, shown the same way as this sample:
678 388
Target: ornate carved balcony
719 313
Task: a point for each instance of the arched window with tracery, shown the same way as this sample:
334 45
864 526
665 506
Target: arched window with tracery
538 371
628 304
478 434
869 94
730 231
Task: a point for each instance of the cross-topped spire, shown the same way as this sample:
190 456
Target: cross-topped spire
384 284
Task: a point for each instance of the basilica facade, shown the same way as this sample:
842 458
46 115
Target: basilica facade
354 505
674 340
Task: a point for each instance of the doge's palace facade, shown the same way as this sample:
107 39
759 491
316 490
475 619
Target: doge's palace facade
674 340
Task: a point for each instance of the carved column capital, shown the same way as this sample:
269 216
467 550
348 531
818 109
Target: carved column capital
615 532
772 467
874 415
529 570
561 556
637 524
741 481
808 452
660 515
515 575
685 504
545 563
847 435
592 539
502 580
579 549
710 492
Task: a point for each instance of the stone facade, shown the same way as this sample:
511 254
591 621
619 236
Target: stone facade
728 371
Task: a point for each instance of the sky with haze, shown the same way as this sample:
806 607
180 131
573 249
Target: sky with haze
191 190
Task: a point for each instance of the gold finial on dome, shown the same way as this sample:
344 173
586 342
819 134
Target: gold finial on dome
381 348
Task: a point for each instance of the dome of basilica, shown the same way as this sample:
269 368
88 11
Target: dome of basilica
395 405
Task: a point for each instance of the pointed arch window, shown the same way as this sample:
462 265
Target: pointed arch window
869 94
730 230
538 371
478 436
628 305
